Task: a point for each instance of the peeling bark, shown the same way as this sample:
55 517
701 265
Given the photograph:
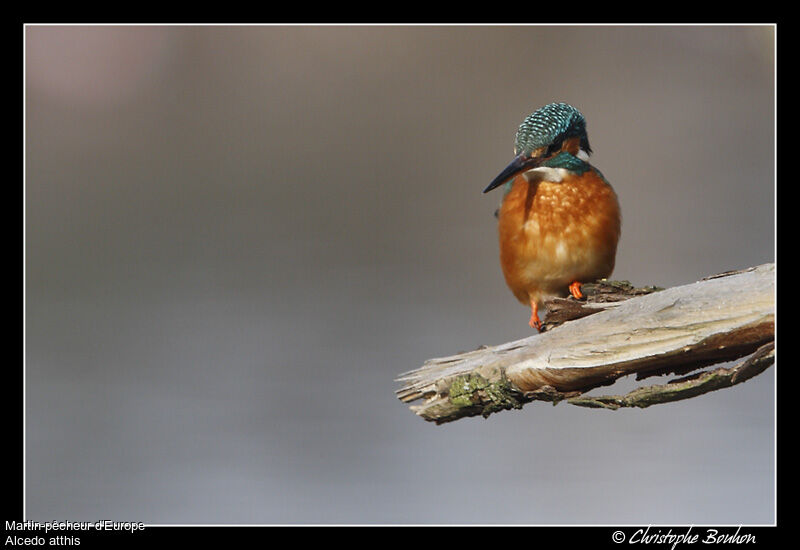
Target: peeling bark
617 330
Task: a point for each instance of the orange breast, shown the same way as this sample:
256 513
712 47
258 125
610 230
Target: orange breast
552 234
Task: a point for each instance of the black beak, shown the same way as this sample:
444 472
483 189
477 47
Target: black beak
520 163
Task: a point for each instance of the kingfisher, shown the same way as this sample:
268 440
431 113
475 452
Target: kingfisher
559 221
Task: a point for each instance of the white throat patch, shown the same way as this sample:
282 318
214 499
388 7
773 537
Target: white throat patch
545 173
555 175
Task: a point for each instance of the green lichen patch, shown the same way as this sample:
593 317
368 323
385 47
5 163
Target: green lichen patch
474 391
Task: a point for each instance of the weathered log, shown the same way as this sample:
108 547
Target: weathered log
618 330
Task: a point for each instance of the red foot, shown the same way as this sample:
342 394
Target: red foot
535 322
575 290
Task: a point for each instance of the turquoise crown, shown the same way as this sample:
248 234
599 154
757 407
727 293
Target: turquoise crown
550 125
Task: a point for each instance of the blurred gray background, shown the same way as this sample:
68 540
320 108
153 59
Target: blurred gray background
237 237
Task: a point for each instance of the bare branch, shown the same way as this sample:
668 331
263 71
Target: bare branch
593 343
685 388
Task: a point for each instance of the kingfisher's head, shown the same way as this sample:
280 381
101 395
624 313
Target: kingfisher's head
554 129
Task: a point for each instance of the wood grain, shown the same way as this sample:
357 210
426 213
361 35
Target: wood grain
643 331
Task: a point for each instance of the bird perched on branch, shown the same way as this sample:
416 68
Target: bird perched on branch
559 221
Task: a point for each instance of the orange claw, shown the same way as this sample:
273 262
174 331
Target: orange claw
575 290
535 322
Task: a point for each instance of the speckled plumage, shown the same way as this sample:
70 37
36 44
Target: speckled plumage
559 222
548 124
